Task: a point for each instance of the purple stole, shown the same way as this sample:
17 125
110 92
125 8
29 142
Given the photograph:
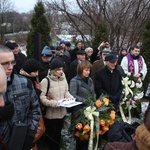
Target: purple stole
131 63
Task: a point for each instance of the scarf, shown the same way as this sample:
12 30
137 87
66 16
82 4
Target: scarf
131 63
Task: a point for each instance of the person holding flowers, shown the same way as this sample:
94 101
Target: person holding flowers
108 81
82 88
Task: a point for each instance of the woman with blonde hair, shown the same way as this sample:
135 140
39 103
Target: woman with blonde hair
57 91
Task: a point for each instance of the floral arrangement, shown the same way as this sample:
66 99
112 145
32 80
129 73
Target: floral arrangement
132 94
94 120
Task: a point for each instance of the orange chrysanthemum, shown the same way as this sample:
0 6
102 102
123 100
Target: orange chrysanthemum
98 103
79 126
87 128
102 122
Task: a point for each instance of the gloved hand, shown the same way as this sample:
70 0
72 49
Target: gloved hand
113 99
7 111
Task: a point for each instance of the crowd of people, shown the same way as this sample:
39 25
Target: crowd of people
76 73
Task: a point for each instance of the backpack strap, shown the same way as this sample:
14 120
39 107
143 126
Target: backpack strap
48 85
77 84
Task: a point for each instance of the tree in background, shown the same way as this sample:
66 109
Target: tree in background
101 33
145 52
39 34
126 19
5 7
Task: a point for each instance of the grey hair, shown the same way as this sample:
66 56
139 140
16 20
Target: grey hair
88 49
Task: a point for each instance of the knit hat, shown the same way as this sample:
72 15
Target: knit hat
46 51
10 45
56 63
111 58
62 42
15 44
31 65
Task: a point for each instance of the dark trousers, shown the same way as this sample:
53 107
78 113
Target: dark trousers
53 130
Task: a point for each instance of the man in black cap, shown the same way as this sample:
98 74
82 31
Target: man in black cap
73 66
20 58
64 58
108 80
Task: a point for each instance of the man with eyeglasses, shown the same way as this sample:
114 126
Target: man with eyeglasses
21 94
3 84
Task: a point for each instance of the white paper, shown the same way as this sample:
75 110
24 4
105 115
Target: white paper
70 104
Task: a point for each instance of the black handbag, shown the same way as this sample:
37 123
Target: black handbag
18 136
147 93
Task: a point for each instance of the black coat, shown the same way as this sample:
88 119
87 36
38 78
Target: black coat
120 132
43 71
72 72
108 83
73 54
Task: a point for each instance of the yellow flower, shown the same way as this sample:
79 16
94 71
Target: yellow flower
106 101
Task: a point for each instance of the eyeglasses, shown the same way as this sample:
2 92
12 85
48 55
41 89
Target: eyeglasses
6 64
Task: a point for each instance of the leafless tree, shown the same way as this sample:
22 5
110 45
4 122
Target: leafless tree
126 18
5 6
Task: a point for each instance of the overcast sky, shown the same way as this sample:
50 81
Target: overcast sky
24 5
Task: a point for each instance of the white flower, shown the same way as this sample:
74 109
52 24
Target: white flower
126 82
128 73
132 84
140 95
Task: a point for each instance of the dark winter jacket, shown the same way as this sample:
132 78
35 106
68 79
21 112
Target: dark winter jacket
73 54
20 59
81 90
72 72
43 71
21 93
120 132
108 83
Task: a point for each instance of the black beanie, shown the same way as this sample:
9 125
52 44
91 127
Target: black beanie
10 45
56 63
31 65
